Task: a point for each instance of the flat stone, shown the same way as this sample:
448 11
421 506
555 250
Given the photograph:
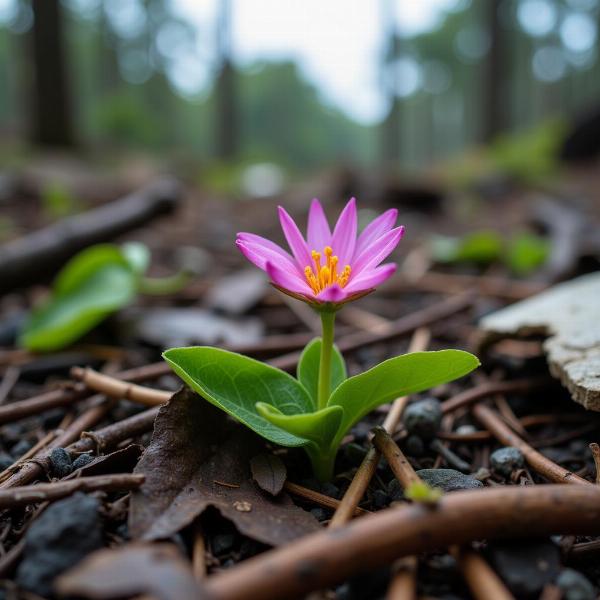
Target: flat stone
237 293
569 314
449 480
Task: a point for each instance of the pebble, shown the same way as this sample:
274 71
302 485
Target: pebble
81 461
61 463
20 448
506 460
525 566
423 418
414 446
63 534
449 480
222 543
319 513
575 586
380 499
5 460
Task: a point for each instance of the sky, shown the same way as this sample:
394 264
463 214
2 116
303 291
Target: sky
336 43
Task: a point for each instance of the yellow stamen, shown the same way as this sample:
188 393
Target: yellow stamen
321 276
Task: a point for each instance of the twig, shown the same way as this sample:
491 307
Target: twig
595 450
509 416
480 577
198 553
87 419
450 457
69 395
325 558
494 387
365 320
357 488
318 498
403 585
502 432
115 388
403 326
46 492
399 464
11 376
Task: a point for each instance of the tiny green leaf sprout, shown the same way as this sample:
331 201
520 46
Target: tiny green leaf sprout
316 409
95 283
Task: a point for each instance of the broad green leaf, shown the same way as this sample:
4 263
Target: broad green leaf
236 383
93 284
308 368
482 247
319 427
400 376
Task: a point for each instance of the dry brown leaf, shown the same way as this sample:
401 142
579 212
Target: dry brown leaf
197 458
269 472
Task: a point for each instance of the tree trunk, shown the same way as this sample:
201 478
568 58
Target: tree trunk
226 121
51 118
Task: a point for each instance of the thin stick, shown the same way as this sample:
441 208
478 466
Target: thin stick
403 585
11 376
199 553
401 327
115 388
367 468
509 416
491 388
502 432
318 498
399 464
319 560
595 450
480 577
46 492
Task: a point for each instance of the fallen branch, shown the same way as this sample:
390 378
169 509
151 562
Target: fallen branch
318 498
41 253
329 557
544 466
484 390
115 388
47 492
398 328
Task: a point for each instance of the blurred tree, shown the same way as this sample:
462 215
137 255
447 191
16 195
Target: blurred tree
226 121
51 104
390 127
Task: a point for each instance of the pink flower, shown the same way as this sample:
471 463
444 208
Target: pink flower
327 267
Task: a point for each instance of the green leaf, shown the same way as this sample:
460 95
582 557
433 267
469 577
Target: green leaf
319 427
308 368
481 247
400 376
92 285
236 384
526 252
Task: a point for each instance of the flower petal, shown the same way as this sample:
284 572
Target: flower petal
377 251
375 229
318 233
343 240
289 280
261 241
371 278
260 255
333 293
295 240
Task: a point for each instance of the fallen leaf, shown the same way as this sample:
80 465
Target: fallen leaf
269 472
158 570
195 447
119 461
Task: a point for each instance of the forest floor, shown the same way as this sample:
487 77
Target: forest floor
74 451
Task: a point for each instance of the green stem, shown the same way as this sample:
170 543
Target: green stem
156 286
327 322
323 463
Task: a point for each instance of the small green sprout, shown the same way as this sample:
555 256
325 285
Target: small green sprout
423 493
